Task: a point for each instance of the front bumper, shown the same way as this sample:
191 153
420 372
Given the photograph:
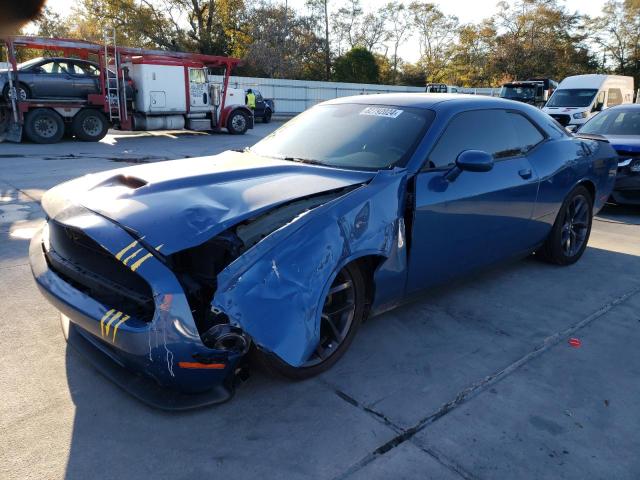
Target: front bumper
153 360
627 187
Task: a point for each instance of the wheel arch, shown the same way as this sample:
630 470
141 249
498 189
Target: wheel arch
590 186
368 264
231 109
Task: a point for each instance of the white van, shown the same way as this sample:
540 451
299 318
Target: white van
580 97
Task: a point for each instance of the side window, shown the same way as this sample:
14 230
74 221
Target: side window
527 133
492 131
86 69
196 75
64 67
48 67
615 97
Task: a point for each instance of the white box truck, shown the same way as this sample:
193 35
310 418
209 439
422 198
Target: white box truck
580 97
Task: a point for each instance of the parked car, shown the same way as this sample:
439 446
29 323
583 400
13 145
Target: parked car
621 126
264 107
168 274
580 97
47 78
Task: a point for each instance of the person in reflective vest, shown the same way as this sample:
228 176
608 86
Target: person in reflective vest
250 99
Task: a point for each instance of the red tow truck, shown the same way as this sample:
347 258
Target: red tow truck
135 89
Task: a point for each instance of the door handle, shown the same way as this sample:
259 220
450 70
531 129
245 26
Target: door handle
525 173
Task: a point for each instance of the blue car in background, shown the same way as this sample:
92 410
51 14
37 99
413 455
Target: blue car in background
620 125
168 275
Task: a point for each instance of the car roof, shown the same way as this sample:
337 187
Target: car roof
64 59
432 101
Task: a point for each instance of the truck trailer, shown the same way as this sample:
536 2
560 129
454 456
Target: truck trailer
136 89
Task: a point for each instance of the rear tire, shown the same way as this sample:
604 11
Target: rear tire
569 236
89 125
336 333
237 123
43 125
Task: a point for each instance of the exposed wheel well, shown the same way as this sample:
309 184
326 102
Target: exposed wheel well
368 265
591 188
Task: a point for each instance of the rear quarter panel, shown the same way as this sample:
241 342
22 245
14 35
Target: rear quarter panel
561 165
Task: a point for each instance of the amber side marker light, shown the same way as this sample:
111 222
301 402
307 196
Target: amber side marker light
204 366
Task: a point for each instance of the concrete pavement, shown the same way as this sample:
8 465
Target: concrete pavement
475 380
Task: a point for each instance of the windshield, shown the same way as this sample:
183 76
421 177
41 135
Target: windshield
356 136
572 97
28 63
525 92
614 122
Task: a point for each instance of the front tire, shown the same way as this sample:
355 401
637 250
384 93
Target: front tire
237 123
22 95
570 233
342 313
43 125
89 125
266 118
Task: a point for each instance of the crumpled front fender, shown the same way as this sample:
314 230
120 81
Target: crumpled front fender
275 291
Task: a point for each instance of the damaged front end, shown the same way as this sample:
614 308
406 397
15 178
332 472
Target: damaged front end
197 268
275 291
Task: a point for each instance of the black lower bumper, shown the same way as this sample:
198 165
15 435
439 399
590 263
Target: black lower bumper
627 188
143 388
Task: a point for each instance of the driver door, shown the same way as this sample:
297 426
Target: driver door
199 90
480 217
52 79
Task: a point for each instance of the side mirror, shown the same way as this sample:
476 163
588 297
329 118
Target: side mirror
474 161
571 128
470 161
598 107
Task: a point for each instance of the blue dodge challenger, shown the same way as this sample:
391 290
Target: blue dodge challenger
168 275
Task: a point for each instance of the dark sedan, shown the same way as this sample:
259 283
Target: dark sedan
621 126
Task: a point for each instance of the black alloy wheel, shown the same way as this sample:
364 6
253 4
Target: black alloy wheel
342 314
570 233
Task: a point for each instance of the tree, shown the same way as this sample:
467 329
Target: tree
282 44
345 26
436 32
320 10
358 65
399 18
50 24
617 36
540 39
472 63
354 28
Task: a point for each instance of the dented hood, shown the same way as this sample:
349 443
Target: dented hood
182 203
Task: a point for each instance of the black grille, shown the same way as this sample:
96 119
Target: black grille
561 119
83 263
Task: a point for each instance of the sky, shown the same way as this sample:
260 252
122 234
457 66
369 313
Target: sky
467 11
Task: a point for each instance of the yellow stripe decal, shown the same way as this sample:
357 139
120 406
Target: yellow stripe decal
115 329
127 248
131 256
137 264
111 320
159 247
104 317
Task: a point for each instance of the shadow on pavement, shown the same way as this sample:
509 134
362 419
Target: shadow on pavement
404 365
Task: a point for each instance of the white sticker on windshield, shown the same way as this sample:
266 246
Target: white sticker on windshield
381 112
